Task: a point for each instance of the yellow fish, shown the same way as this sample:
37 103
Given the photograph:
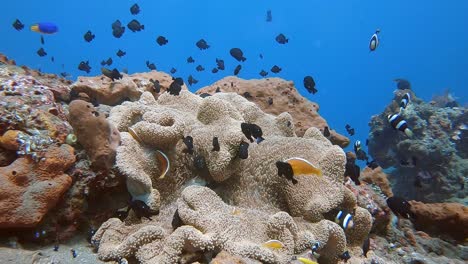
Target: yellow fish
296 166
302 166
306 261
274 244
164 162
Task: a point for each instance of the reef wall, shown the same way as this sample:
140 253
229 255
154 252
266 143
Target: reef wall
431 166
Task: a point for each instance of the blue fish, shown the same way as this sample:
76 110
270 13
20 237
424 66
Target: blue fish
45 28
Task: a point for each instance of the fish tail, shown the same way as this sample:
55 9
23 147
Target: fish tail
408 132
35 28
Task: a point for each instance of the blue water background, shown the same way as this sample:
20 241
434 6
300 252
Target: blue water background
425 42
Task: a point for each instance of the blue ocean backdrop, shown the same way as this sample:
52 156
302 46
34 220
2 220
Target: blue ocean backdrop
425 42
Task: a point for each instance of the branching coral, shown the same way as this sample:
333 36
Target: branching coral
259 205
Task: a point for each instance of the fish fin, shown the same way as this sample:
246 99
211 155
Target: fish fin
294 181
259 139
408 132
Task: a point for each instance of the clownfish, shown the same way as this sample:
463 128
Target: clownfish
45 28
344 219
296 166
397 122
405 101
374 42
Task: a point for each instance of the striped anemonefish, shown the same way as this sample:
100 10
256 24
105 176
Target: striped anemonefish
44 28
405 101
397 122
374 42
344 219
357 146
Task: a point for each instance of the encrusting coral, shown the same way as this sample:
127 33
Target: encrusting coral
247 203
101 141
28 190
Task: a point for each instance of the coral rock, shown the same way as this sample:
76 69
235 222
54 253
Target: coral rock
103 90
28 190
441 218
378 177
99 138
284 98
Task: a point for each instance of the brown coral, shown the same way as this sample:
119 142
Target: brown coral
441 218
378 177
103 90
283 97
28 190
98 137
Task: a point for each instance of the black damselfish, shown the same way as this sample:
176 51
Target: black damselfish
215 144
188 141
400 207
244 150
141 209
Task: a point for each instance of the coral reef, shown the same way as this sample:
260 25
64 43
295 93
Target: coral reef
100 142
103 90
446 219
28 190
261 205
275 96
431 166
378 177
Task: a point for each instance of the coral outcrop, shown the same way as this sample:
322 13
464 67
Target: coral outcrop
102 90
260 205
97 136
276 96
431 166
441 219
29 189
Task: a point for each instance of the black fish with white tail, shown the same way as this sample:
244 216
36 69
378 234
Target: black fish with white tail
398 123
400 207
344 219
374 41
252 130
